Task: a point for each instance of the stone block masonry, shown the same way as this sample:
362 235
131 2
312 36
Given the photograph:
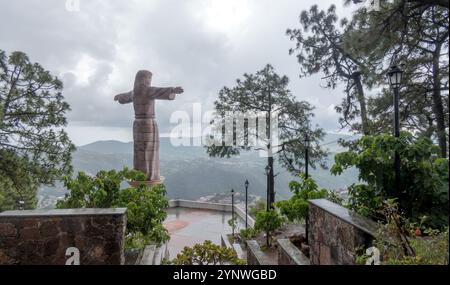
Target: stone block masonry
289 254
42 237
335 233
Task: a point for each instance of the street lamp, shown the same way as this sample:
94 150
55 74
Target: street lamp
395 76
232 211
246 203
307 145
21 205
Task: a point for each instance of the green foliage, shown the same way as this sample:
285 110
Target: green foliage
356 53
207 253
248 234
259 206
233 223
250 95
15 183
268 221
318 48
145 205
32 115
416 36
399 245
296 208
34 149
424 177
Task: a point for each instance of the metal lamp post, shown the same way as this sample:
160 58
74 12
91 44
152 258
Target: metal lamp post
395 76
307 145
246 203
268 170
232 211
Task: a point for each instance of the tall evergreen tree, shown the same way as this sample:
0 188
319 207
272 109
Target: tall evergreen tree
267 93
320 48
34 148
416 34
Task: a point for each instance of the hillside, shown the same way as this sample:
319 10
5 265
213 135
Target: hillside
191 174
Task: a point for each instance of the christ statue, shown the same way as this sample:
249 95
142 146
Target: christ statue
145 129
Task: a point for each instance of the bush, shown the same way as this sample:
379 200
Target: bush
207 253
258 207
398 244
296 208
248 234
233 223
268 221
145 206
424 177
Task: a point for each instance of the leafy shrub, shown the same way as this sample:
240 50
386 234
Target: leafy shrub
296 208
258 207
207 253
145 206
424 177
233 223
248 234
268 221
399 245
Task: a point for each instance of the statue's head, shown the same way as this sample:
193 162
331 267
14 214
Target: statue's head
143 79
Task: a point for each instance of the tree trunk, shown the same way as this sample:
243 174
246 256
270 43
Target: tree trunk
438 107
362 103
272 183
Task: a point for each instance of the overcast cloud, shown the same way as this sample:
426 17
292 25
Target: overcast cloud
201 45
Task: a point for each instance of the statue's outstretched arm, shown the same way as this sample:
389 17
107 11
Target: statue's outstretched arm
168 93
124 98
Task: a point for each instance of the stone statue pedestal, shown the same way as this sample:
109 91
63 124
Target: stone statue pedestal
148 182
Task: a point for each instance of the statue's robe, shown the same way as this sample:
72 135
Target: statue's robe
145 128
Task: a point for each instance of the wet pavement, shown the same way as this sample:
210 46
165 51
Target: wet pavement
188 227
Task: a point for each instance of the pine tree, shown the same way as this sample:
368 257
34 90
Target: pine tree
267 93
34 148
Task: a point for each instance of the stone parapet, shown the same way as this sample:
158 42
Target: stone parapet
335 233
43 237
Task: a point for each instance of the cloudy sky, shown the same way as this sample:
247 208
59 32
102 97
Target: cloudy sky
201 45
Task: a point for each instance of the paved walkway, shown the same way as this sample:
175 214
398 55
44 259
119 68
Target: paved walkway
188 227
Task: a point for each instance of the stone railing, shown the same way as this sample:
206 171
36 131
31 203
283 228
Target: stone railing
255 256
57 237
289 254
335 233
153 255
225 242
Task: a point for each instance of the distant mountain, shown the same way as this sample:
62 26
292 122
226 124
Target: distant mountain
190 174
108 147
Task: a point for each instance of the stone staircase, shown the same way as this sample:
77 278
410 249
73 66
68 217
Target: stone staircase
153 255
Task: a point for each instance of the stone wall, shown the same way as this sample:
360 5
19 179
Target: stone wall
254 254
289 254
335 233
43 237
